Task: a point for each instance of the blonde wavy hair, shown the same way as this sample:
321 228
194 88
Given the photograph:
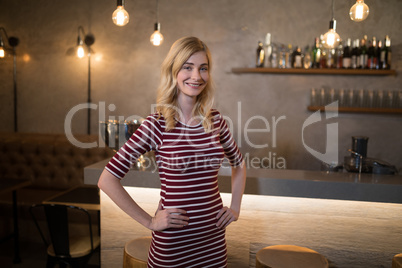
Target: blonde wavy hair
166 101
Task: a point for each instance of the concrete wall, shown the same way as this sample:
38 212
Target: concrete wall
125 68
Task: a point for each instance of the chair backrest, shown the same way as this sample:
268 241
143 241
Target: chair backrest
57 218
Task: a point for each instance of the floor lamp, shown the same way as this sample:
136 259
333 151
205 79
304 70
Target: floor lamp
89 40
13 43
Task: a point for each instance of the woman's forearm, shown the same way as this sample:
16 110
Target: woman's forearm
112 187
238 185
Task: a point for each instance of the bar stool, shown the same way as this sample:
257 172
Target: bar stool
289 256
397 261
136 252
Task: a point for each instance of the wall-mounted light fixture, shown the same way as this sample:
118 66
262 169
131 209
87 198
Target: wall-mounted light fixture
331 38
157 38
359 11
120 16
4 51
82 51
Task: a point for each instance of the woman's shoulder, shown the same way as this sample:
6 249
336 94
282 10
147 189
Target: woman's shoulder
155 118
215 115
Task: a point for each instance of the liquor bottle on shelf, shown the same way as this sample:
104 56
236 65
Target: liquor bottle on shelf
260 55
371 53
386 53
316 54
363 53
378 55
306 58
274 56
323 58
339 56
355 54
282 57
288 56
347 60
331 55
268 51
297 59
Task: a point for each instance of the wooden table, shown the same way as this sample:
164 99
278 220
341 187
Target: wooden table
12 185
86 197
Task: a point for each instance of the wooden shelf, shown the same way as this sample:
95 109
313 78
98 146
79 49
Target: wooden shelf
359 110
314 71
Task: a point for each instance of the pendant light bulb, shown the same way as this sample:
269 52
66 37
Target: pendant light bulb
157 38
120 16
331 38
80 48
2 52
359 11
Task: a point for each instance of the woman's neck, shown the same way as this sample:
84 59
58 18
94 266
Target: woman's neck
186 106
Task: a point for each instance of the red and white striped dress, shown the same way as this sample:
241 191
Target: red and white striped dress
188 159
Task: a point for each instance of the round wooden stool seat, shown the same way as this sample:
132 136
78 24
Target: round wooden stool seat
397 261
136 252
289 256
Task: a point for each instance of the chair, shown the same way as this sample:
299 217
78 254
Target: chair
136 252
397 261
289 256
63 246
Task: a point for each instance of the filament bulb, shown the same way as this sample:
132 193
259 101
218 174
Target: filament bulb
359 11
80 51
120 16
331 38
156 38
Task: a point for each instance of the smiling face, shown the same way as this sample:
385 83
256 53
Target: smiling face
193 76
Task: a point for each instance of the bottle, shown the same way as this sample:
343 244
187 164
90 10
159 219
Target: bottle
363 53
331 58
316 54
347 61
282 57
297 61
372 59
323 57
288 56
307 58
378 55
339 56
386 53
355 54
260 55
274 57
268 51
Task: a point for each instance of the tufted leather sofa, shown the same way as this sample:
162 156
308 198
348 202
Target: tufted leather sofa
50 161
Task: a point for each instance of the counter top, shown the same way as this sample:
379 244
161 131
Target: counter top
283 182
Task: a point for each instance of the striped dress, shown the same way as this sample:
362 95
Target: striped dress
188 160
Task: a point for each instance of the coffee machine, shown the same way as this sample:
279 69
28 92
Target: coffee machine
359 162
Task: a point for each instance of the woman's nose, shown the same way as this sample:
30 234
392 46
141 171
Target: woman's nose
196 74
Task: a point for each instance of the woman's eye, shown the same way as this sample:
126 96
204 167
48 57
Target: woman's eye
187 67
204 69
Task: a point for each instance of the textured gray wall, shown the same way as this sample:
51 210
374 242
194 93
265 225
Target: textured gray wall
125 68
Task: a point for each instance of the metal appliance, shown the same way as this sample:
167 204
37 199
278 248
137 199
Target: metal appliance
359 162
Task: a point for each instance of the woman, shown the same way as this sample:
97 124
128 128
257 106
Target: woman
190 140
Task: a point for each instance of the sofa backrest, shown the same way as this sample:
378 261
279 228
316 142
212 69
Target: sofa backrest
48 160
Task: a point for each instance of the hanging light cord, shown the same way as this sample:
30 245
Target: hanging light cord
157 11
333 7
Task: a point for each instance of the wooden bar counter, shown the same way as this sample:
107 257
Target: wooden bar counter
354 221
